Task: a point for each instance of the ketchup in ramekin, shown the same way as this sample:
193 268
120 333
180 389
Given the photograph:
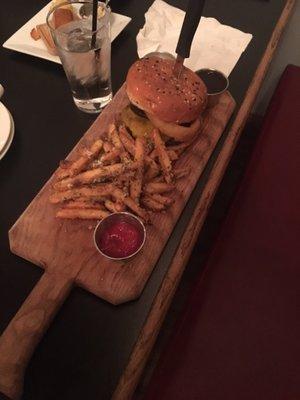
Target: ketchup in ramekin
120 236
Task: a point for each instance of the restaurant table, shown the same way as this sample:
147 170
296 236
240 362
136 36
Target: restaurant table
88 346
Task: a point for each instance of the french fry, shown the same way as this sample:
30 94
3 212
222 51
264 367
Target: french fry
110 205
116 141
123 181
86 213
163 157
117 206
165 200
95 164
153 154
110 156
128 143
130 203
159 178
171 153
139 155
152 204
136 183
181 172
131 172
124 178
97 192
149 148
152 172
94 175
107 146
127 140
151 164
83 161
84 203
158 187
120 206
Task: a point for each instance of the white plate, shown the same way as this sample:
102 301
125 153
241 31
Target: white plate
10 138
5 126
22 42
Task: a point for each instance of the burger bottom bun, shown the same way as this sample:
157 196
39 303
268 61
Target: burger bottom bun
177 132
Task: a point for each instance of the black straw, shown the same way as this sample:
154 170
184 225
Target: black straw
94 23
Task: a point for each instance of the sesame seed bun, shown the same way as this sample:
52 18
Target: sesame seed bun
153 87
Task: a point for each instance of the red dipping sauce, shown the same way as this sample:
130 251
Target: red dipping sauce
120 236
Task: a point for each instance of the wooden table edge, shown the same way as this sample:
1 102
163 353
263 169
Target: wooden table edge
147 337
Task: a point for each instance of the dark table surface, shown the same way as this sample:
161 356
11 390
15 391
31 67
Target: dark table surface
88 345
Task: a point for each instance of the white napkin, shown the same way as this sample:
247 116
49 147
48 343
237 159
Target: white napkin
214 46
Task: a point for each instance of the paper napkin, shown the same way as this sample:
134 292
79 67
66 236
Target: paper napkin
215 45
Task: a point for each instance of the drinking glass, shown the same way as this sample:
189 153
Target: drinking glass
84 53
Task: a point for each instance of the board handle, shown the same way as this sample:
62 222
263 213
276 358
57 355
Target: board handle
25 330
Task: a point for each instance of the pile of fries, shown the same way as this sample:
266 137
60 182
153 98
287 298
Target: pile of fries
119 173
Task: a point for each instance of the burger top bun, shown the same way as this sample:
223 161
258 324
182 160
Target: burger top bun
153 87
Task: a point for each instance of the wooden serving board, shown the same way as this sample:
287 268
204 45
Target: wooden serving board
67 245
65 248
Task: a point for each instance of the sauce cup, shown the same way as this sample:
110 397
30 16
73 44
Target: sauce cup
120 236
216 82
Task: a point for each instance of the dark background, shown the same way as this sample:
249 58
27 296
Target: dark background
87 347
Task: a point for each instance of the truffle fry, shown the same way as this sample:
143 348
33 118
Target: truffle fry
84 203
116 141
95 192
151 172
86 213
82 162
107 146
136 183
158 187
165 200
128 143
117 206
181 172
171 153
127 140
120 206
163 157
130 203
152 204
110 205
94 175
111 155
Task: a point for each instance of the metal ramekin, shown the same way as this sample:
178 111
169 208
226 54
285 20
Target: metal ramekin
213 97
119 216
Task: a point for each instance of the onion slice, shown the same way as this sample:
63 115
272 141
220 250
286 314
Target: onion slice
177 132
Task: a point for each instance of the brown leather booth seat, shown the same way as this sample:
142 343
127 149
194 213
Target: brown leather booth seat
239 337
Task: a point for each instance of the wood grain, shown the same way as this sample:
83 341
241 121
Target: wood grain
161 304
65 248
26 329
68 245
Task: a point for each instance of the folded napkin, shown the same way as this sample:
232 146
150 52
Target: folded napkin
214 46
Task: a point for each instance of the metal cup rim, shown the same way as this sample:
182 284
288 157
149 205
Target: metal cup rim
128 215
219 72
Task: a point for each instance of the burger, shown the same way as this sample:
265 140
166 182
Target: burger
160 99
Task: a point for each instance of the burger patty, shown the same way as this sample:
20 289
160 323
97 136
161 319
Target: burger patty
141 113
138 111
